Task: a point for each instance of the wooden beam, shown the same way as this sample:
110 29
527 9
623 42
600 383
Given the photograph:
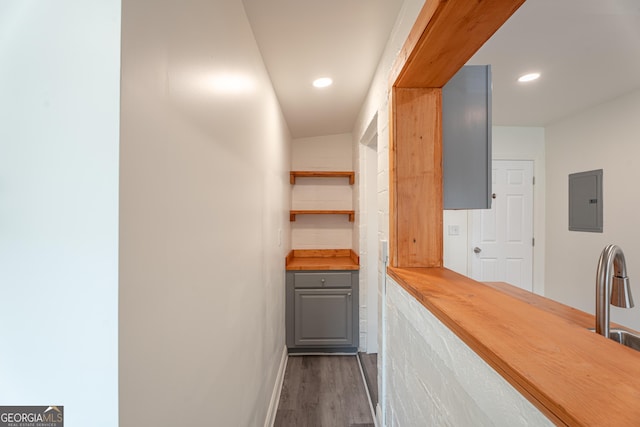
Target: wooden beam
446 34
416 156
402 60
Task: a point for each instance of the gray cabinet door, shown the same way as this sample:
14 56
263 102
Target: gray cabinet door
323 317
466 139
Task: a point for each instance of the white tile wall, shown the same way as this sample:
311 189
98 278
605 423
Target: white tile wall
321 193
321 232
328 152
323 153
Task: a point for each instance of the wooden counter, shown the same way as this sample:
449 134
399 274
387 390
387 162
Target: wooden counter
322 259
539 346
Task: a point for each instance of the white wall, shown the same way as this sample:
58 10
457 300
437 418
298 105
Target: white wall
604 137
59 206
438 380
322 153
205 196
508 143
455 247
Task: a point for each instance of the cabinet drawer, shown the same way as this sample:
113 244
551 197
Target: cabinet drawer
322 280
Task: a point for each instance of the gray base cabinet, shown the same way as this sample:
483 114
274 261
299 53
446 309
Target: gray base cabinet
322 311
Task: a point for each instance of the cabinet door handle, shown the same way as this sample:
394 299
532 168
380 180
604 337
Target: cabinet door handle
349 294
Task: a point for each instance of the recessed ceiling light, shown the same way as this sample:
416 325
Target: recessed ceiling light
322 82
529 77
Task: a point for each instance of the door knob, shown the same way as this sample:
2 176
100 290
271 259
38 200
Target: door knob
477 250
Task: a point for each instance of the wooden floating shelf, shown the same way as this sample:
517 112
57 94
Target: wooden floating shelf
293 213
321 174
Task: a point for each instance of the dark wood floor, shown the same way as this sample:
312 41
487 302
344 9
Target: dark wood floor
369 364
323 391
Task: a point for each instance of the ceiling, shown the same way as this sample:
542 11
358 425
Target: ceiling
301 40
588 51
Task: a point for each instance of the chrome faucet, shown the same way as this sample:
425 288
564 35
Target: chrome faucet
612 287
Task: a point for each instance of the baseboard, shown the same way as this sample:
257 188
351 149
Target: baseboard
366 389
321 353
379 422
277 388
315 351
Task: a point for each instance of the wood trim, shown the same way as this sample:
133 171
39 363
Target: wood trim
354 257
445 35
541 347
417 177
393 183
321 174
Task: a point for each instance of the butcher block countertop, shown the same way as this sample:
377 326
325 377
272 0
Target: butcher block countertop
541 347
322 259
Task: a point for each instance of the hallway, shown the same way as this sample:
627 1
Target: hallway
323 391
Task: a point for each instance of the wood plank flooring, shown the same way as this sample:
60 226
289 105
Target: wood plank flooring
323 391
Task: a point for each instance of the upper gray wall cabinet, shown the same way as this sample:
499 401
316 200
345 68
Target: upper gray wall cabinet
466 139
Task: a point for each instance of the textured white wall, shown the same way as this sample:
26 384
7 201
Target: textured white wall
322 153
376 107
435 379
604 137
367 225
204 218
59 108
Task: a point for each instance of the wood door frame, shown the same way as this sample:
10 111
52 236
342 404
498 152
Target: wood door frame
445 35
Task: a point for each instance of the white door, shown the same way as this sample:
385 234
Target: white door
502 237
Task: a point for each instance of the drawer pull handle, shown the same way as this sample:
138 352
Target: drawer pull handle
349 294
